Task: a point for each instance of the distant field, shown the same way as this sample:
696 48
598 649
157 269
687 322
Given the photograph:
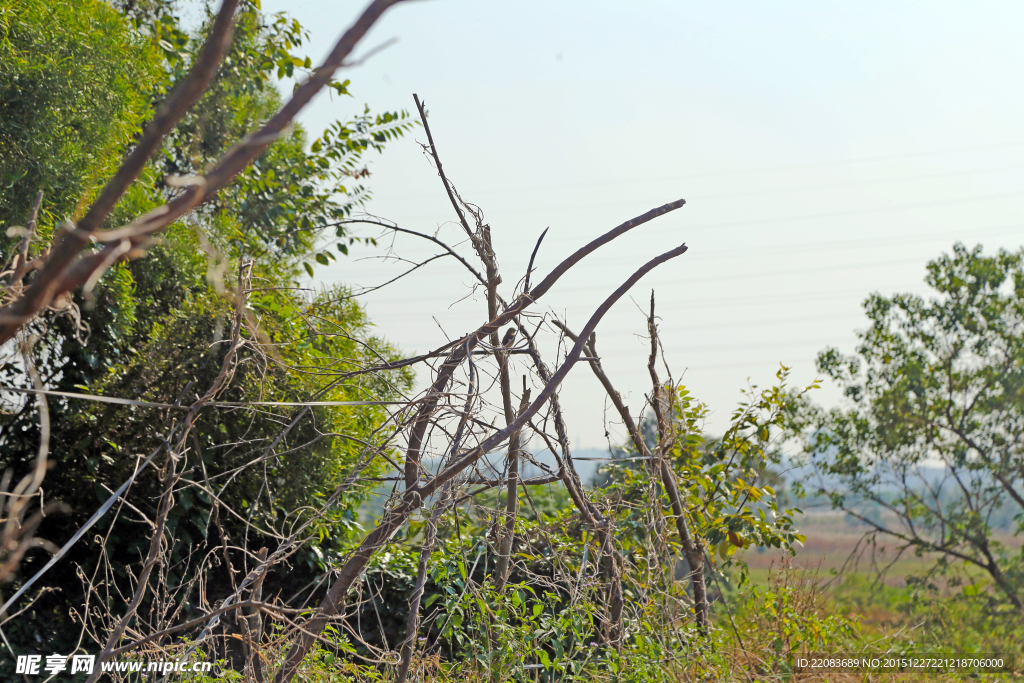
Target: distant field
889 614
835 544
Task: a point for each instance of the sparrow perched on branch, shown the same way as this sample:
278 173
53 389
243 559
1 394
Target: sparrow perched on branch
510 336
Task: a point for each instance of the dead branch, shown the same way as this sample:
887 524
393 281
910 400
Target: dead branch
511 501
413 623
692 549
414 496
170 474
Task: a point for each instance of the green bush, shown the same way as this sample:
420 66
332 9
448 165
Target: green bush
70 102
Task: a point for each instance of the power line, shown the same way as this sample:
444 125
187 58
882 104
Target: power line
744 364
690 330
853 212
804 217
695 280
722 303
860 243
605 351
788 249
859 212
768 321
676 350
211 404
750 171
859 183
773 273
729 302
732 302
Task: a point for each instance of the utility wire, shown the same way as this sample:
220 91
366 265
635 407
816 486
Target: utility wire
1013 228
212 404
749 171
757 221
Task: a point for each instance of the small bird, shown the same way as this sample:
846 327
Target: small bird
510 336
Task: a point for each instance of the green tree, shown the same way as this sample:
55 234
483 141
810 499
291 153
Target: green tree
932 431
69 102
154 328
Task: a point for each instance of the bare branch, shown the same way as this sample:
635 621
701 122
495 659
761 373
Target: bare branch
414 496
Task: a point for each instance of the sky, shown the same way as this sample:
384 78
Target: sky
826 151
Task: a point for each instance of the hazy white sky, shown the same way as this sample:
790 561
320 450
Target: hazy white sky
826 150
